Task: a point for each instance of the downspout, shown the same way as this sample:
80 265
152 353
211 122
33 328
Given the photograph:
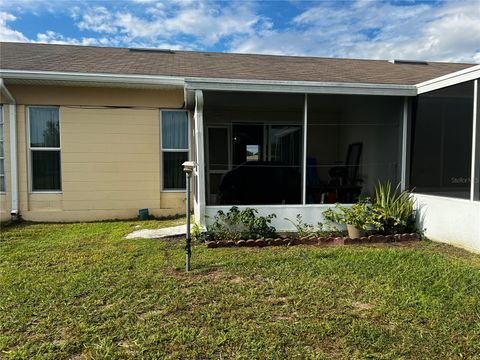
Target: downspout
12 118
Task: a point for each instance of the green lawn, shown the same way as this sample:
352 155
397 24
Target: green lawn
80 291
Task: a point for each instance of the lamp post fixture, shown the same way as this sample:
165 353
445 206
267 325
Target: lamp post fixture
188 167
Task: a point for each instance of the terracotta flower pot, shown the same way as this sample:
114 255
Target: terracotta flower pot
355 232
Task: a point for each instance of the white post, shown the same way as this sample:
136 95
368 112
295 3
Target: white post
200 170
304 157
12 119
188 168
188 246
405 152
475 161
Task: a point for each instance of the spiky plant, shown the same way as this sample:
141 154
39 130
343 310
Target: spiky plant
394 209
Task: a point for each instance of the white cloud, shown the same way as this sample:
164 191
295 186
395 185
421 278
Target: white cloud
368 29
53 37
445 31
8 34
205 23
97 19
35 7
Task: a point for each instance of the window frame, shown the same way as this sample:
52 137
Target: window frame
162 150
2 133
31 149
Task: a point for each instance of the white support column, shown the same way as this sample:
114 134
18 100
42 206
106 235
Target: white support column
13 158
200 171
475 161
405 142
12 119
304 153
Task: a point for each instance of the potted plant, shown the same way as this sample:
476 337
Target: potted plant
358 217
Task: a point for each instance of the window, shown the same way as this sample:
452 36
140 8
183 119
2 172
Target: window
174 148
2 154
44 125
441 154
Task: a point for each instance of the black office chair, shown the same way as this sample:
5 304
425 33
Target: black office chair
347 174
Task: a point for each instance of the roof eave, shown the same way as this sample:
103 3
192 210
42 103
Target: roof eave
215 84
92 78
457 77
312 87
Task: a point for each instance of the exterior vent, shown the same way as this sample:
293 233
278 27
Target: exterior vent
408 62
163 51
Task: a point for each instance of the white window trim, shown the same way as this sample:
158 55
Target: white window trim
2 130
30 148
162 150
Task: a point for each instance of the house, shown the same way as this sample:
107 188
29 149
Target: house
92 133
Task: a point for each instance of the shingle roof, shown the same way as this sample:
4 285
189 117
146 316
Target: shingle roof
88 59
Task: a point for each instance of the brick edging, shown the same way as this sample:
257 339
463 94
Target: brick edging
320 241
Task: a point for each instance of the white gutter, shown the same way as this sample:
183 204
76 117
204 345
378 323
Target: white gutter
220 84
12 118
309 87
93 77
454 78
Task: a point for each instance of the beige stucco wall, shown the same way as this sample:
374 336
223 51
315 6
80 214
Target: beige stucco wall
110 157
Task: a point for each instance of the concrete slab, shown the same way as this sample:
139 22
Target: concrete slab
158 233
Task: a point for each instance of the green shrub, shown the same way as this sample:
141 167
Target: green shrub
393 209
241 224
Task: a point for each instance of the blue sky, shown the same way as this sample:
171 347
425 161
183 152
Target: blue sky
422 30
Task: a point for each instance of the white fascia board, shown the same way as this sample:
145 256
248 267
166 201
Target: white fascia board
218 84
305 87
93 77
454 78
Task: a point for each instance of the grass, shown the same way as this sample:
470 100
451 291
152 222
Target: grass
81 291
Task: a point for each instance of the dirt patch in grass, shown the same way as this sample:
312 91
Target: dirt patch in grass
360 306
212 274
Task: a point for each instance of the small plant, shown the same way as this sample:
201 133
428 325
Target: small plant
258 226
302 229
324 229
358 215
197 234
327 229
239 224
393 209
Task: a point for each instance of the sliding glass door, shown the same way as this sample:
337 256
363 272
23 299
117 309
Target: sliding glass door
265 165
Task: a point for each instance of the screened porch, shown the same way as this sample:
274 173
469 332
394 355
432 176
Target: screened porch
270 149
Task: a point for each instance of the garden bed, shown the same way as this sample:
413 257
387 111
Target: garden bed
314 240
